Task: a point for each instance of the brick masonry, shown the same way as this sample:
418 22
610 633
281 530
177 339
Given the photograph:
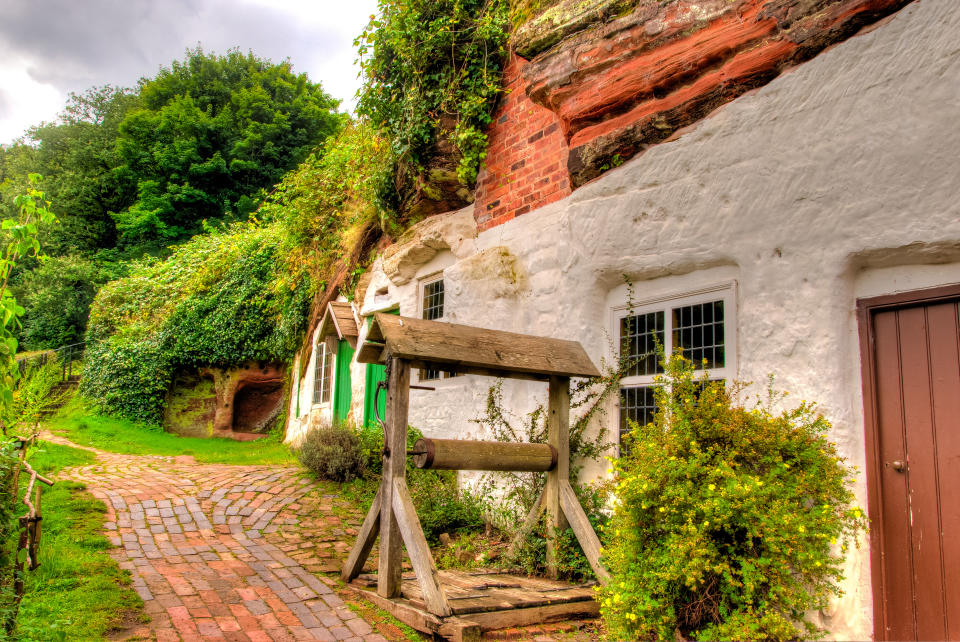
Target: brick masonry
526 164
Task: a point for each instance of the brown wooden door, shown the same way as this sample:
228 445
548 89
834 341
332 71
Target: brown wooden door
914 373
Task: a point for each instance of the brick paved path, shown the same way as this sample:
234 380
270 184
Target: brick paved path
194 537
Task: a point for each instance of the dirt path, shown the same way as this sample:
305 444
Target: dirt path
195 538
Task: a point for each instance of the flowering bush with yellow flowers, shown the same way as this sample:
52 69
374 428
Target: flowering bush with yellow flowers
729 523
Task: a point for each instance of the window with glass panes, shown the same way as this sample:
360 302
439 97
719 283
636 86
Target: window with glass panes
702 326
322 374
431 304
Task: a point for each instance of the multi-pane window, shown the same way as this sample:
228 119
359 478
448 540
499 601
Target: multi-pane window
701 326
431 304
322 374
433 300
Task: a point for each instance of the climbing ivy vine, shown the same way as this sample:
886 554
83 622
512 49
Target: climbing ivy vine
433 73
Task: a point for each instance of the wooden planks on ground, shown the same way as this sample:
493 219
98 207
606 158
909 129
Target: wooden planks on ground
486 600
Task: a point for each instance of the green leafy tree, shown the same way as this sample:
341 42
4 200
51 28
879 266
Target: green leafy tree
729 523
57 295
22 240
212 134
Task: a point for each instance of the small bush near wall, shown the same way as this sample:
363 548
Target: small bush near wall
333 453
728 521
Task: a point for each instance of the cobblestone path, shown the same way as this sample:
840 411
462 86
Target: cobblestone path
196 539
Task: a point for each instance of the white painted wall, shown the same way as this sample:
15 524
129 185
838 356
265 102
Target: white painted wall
836 181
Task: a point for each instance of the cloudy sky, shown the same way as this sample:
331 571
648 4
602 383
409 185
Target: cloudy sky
49 48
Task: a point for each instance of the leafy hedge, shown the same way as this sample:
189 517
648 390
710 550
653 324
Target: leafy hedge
212 303
728 522
432 63
241 293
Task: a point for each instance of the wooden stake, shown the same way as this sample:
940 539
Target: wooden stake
582 528
420 557
525 528
365 540
394 467
558 436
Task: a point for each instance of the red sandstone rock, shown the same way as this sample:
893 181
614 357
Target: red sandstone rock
624 83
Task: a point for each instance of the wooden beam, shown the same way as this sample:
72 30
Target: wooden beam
417 550
364 544
528 523
462 347
534 615
462 454
394 467
558 436
582 528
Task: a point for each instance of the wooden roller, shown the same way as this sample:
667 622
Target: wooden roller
458 454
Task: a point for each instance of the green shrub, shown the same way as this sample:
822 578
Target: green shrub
442 506
332 452
728 520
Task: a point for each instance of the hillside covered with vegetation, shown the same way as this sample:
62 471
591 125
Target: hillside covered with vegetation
244 291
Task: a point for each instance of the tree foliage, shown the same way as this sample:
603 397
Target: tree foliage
728 521
135 171
433 70
212 135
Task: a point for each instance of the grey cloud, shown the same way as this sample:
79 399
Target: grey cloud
73 45
4 104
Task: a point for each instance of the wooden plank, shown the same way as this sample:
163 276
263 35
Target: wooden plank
461 346
582 528
462 454
344 319
457 630
528 523
404 611
394 467
365 540
535 615
417 549
558 436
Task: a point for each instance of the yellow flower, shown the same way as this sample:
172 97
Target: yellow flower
706 523
712 486
662 509
632 616
801 529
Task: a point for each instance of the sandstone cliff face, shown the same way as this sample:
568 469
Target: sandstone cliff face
625 74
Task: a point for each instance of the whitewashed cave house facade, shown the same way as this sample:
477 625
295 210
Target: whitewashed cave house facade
798 231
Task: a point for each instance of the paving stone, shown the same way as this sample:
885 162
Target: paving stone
204 575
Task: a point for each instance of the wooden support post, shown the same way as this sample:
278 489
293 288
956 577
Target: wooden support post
420 557
582 528
528 524
558 436
394 467
365 539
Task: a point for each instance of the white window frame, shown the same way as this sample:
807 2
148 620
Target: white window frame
726 292
421 290
321 354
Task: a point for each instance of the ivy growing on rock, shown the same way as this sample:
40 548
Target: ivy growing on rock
240 293
433 71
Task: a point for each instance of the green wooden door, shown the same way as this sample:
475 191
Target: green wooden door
375 374
341 383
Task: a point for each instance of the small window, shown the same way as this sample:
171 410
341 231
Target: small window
431 306
701 325
323 374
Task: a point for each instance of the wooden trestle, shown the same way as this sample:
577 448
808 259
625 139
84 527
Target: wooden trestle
436 603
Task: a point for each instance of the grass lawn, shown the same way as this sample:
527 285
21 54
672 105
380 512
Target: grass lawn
83 426
78 592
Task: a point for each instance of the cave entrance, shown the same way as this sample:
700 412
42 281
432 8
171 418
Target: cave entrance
256 405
